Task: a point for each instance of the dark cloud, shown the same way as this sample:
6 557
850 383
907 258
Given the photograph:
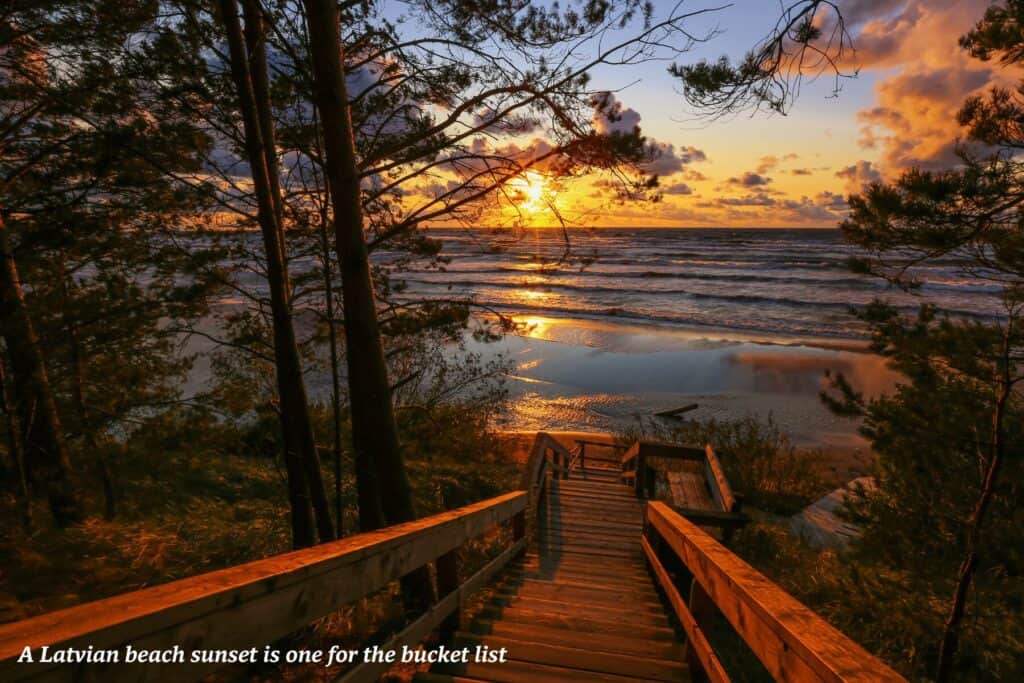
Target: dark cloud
859 175
678 188
750 179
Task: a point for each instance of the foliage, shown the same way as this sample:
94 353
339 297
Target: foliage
945 513
889 609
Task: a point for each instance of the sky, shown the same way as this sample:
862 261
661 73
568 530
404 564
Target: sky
761 170
795 170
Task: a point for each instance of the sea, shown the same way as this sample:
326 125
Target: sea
768 284
616 325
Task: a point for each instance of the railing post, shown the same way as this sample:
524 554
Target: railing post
641 475
702 608
447 567
583 454
519 526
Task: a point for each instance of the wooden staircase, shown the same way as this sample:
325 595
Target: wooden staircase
581 605
612 585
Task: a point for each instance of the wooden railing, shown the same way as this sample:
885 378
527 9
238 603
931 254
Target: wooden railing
638 470
257 603
792 642
547 454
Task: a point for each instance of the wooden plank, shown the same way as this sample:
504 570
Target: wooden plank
431 677
591 623
614 575
670 451
689 490
696 640
367 672
584 548
581 593
676 412
246 605
516 672
605 444
714 518
793 643
630 456
619 591
623 613
719 485
579 659
662 649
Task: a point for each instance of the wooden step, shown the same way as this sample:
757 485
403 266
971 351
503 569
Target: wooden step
570 548
431 677
660 649
636 566
557 513
595 593
545 537
621 589
583 623
632 614
640 590
571 519
619 582
586 526
528 672
594 497
594 489
579 659
625 577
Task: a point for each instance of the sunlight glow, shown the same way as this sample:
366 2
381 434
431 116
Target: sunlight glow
529 192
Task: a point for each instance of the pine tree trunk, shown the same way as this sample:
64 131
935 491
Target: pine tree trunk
46 454
300 445
255 37
332 339
374 431
378 453
78 391
965 576
15 449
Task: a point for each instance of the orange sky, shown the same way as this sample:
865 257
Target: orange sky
795 170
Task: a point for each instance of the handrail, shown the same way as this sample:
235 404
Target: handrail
535 473
256 603
719 485
792 642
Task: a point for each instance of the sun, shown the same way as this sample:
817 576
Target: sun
529 192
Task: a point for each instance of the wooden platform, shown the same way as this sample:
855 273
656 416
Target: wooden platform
581 605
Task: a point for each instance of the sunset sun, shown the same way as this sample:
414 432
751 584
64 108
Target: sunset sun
529 192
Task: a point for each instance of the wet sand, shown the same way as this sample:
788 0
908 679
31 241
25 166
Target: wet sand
573 375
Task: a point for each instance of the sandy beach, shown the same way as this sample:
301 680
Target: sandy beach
587 376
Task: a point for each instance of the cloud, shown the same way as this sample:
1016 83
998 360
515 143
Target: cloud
913 120
801 171
769 163
831 200
750 179
610 116
859 175
665 160
678 188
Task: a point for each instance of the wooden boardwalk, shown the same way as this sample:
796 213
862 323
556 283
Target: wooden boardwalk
613 585
581 605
